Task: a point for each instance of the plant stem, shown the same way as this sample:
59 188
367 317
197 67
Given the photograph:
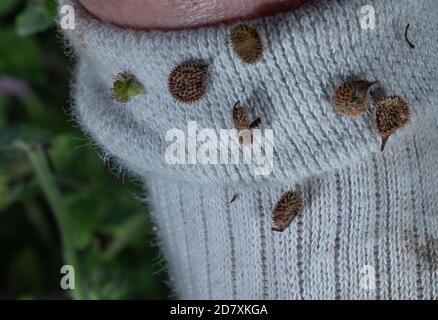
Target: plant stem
54 197
39 222
126 233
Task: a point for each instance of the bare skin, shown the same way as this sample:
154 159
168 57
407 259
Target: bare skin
181 14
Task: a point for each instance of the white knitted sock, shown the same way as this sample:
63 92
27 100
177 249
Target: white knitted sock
367 215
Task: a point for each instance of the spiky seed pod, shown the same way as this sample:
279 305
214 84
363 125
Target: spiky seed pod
241 122
240 116
126 86
246 43
187 82
391 114
352 98
286 209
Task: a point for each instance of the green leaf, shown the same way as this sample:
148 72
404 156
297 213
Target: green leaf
73 158
20 56
86 212
51 7
33 20
6 6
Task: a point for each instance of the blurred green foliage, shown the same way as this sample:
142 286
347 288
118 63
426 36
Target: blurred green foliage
59 204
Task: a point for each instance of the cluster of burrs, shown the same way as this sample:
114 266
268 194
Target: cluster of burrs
187 82
391 113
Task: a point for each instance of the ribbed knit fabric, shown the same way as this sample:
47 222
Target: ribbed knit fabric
362 209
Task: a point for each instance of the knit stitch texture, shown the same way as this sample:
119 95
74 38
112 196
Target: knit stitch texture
363 210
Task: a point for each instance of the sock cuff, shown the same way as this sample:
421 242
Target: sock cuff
306 54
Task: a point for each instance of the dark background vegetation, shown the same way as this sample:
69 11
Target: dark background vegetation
59 204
